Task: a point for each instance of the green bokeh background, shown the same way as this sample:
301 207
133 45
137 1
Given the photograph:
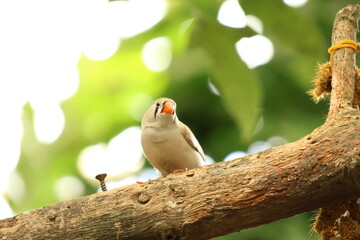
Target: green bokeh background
223 124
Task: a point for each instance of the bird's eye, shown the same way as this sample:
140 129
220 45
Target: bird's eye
156 109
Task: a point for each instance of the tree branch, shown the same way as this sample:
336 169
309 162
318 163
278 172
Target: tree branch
343 60
213 200
321 168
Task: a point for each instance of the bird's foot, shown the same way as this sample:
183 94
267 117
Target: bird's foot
138 182
178 170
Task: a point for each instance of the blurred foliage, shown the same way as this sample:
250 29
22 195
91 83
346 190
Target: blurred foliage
203 52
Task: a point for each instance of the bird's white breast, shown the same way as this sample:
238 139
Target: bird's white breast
167 150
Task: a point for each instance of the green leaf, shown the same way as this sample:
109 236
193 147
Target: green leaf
289 26
238 85
298 40
204 8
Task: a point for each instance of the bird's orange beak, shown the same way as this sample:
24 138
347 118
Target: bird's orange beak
169 107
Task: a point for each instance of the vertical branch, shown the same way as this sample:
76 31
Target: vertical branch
343 60
341 221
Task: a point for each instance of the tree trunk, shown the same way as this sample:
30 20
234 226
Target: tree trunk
321 168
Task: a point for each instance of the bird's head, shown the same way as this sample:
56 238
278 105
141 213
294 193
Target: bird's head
161 112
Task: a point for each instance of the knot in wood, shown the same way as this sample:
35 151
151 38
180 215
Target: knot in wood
51 218
143 198
171 236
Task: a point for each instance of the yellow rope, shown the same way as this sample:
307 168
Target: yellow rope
344 44
322 80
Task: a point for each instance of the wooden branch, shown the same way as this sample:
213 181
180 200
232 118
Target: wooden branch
343 61
321 168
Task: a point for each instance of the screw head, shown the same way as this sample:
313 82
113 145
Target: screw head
101 176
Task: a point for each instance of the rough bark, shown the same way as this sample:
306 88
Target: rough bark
341 221
343 60
319 169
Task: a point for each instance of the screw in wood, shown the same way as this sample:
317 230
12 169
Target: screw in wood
101 177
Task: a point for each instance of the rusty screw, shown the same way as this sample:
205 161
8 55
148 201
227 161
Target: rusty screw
101 177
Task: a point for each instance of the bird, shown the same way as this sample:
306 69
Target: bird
168 144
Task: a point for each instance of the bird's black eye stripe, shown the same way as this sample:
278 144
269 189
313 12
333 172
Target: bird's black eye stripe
156 109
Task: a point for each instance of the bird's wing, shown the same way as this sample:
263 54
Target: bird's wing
190 138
